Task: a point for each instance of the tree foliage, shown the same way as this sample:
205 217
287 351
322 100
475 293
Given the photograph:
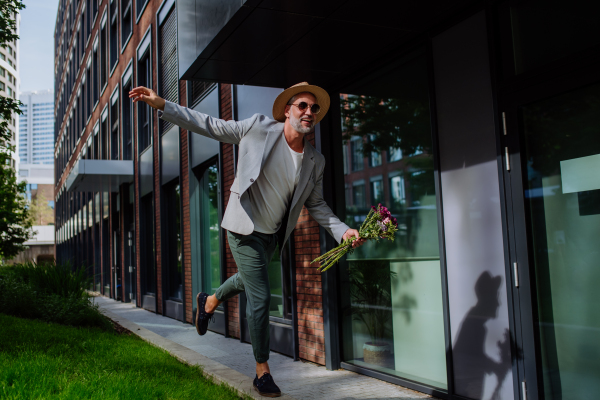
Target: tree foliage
387 123
15 222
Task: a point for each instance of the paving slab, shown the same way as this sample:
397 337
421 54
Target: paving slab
229 361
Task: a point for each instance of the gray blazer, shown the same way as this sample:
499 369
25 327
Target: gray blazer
256 137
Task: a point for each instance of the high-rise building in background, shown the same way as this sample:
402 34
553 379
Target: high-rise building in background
36 128
10 82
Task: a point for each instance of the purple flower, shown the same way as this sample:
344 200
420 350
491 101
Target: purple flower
382 226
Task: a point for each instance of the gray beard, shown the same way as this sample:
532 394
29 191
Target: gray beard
297 125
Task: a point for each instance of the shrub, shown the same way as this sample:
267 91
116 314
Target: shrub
53 278
50 293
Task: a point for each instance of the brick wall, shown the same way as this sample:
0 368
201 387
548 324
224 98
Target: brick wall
185 209
228 177
309 290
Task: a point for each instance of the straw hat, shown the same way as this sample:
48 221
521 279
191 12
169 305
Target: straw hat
285 96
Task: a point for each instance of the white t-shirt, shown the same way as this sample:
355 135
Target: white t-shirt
271 194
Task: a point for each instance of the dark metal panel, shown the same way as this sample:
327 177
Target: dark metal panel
146 171
203 148
325 52
170 155
186 34
405 14
313 8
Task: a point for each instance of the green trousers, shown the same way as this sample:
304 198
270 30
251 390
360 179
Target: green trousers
252 254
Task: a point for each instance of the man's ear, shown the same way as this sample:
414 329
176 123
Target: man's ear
287 110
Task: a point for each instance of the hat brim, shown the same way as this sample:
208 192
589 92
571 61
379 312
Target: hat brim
281 101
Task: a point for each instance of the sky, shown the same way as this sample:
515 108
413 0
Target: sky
36 56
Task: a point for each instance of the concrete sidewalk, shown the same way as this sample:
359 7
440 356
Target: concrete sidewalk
230 361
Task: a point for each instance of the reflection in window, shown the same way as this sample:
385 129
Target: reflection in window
397 194
375 158
357 154
209 205
358 195
391 291
175 264
377 191
394 154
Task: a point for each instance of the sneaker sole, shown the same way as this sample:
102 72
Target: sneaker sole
267 394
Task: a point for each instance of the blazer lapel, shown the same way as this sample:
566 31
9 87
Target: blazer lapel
308 164
272 136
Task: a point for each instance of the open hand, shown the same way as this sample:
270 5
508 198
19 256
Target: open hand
148 96
353 232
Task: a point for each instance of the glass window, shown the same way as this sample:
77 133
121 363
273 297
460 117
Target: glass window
357 154
175 264
103 55
562 147
114 129
96 63
127 23
104 139
127 123
140 5
209 208
144 78
359 195
375 157
147 244
544 31
394 153
114 34
391 291
377 191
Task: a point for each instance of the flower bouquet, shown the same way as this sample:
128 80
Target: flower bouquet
379 224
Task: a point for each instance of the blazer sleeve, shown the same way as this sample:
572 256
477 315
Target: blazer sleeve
320 211
214 128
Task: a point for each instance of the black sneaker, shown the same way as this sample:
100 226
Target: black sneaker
266 386
202 317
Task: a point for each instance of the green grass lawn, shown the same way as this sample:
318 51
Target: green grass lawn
50 361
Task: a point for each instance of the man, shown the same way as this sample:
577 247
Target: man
278 172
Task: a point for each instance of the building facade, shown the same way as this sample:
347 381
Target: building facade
474 122
10 83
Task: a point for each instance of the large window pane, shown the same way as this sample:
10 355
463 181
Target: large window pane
391 291
562 147
175 264
209 208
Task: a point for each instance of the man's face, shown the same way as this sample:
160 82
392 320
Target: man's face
301 121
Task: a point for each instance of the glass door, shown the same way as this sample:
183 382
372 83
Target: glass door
560 160
550 94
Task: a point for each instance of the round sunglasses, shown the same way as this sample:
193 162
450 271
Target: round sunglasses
302 106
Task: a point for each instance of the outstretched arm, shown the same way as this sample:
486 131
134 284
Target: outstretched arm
194 121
